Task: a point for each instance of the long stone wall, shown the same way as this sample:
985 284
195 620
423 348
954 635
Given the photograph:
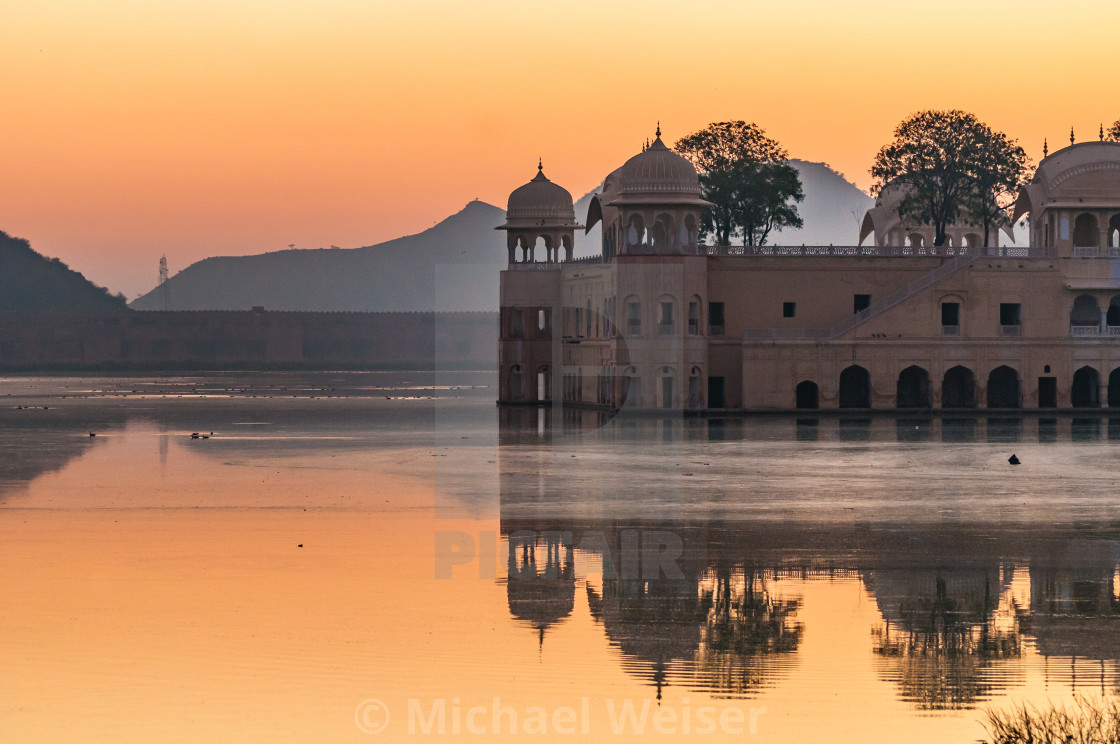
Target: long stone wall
257 339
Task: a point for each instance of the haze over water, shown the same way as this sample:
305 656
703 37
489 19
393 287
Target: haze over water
348 537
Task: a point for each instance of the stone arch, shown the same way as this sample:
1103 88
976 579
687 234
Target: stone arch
692 227
695 316
666 387
663 233
916 240
1085 312
633 388
913 388
667 312
543 243
1114 388
515 386
1085 392
695 385
566 247
544 383
632 307
973 240
1113 316
1114 231
807 394
958 388
1003 388
635 231
855 387
1086 234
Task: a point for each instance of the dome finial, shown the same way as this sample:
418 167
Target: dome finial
540 165
1071 135
659 129
1045 148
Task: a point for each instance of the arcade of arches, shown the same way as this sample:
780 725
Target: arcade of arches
959 388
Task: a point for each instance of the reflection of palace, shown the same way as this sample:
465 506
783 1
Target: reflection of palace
659 320
963 610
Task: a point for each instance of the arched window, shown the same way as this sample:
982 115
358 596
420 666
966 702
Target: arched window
1085 231
915 239
1086 313
515 389
1114 231
1113 317
1114 389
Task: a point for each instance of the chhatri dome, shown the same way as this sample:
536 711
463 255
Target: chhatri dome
540 200
657 174
540 212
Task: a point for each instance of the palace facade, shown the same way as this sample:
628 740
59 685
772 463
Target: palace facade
660 320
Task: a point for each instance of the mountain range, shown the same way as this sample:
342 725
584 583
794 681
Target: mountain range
31 282
451 266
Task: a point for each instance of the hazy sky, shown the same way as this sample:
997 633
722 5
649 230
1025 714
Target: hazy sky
132 128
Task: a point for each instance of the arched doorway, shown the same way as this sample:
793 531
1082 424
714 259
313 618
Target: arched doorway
1003 388
855 387
808 394
913 388
1114 389
958 388
1086 390
515 390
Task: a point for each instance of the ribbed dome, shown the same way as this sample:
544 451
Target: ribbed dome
540 199
659 170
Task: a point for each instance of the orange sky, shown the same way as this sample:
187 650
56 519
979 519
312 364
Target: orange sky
132 129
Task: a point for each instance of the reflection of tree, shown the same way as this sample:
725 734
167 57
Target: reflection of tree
745 625
941 646
717 632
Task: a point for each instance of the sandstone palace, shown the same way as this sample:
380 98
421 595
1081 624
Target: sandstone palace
660 320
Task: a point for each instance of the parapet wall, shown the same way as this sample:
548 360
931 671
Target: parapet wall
256 339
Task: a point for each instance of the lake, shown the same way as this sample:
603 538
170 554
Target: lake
391 557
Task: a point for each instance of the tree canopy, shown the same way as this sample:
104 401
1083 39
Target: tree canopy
950 166
747 178
1112 134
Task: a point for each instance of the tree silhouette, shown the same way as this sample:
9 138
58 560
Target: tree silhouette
747 178
1112 134
949 164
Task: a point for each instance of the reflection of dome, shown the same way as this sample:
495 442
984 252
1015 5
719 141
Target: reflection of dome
540 199
658 171
544 598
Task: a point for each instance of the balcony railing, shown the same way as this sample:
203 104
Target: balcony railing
1084 330
715 330
1081 251
950 330
1011 330
664 329
1114 330
633 328
943 251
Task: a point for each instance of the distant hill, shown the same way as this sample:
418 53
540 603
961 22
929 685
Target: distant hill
451 266
31 282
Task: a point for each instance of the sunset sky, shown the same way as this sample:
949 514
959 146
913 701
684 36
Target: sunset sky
134 129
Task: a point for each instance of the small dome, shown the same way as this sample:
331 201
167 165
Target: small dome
658 170
540 199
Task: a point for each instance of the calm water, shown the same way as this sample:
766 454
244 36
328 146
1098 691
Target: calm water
387 556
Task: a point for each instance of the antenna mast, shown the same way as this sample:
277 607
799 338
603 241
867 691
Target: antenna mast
163 281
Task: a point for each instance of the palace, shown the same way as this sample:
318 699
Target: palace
660 320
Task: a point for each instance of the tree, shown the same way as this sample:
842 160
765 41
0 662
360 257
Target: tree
1112 134
946 164
747 177
998 173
